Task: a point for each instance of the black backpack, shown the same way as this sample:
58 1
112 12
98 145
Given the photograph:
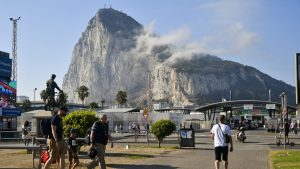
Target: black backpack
87 136
24 131
45 127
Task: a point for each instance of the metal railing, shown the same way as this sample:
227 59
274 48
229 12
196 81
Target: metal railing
34 149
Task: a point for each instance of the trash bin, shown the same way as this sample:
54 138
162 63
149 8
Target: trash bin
187 138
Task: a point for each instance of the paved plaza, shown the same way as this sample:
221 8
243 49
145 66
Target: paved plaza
250 155
253 154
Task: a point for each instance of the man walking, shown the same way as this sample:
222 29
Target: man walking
99 138
56 140
218 133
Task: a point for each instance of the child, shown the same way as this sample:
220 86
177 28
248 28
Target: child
72 149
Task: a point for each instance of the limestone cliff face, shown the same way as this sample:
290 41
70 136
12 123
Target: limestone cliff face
107 58
100 59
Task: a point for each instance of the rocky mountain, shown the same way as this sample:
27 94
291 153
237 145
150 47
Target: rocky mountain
114 53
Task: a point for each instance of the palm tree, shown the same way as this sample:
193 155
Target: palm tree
26 105
62 99
83 92
121 97
44 95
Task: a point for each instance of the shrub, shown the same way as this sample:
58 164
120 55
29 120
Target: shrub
81 120
93 105
162 128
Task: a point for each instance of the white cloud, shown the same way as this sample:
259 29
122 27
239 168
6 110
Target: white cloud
148 40
228 37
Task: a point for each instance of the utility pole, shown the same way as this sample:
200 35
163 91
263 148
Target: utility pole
14 49
149 90
284 114
270 97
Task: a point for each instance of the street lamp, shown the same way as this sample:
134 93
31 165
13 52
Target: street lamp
34 94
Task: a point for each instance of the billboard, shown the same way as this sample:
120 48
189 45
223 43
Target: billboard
7 94
10 112
297 78
5 65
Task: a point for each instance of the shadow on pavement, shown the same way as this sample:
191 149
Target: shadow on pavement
128 155
140 166
249 142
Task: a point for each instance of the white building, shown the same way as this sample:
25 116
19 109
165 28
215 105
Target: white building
20 99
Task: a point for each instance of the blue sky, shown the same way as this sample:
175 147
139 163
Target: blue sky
264 34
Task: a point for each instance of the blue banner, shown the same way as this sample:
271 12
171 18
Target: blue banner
10 112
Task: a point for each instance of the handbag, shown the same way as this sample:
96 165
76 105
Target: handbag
45 156
226 136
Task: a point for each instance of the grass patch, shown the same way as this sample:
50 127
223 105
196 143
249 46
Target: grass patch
289 159
23 152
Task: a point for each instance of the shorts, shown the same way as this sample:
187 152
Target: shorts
286 133
53 152
221 151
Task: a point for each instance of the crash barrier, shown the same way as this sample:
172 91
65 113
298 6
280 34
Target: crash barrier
34 149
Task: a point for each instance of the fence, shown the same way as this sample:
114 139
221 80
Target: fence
33 148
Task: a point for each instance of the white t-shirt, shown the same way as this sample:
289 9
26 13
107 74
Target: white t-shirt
219 139
27 136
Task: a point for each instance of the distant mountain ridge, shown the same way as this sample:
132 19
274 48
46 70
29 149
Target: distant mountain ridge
109 57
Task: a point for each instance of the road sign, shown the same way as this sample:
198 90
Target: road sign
248 106
270 106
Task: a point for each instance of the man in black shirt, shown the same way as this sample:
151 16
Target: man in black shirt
56 141
99 138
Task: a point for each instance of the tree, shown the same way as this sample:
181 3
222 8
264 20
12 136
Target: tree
44 95
83 92
162 129
102 103
26 105
62 99
93 105
121 97
81 120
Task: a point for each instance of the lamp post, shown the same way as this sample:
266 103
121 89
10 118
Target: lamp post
34 90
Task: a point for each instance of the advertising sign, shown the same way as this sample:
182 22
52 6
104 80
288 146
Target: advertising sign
10 112
7 94
5 65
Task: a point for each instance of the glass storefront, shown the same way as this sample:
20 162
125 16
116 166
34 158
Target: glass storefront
8 123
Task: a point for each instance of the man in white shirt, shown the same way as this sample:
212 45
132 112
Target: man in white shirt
218 133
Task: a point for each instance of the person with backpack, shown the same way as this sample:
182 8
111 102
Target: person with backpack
99 138
56 141
25 133
221 135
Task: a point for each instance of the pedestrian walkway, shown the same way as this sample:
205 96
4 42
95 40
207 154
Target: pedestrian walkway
202 159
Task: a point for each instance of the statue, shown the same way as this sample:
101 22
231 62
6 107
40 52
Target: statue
50 91
51 86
